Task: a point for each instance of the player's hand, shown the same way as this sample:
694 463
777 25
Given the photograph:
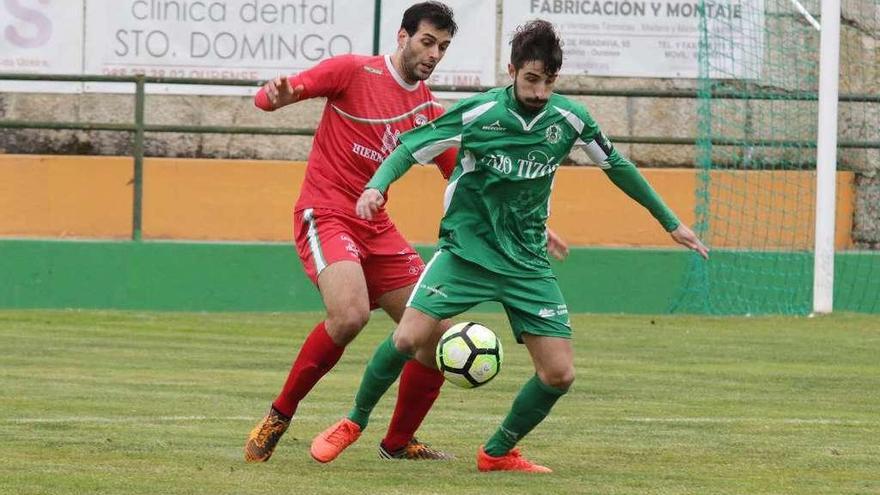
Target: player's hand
556 246
369 203
686 237
281 93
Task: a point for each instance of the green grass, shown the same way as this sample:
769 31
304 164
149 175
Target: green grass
160 403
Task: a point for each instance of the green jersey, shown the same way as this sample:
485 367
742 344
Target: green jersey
497 201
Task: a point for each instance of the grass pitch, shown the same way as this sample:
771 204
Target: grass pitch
160 403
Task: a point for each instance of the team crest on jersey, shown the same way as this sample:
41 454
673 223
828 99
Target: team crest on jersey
420 120
389 140
553 134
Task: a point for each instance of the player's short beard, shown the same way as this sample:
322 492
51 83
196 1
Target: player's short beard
409 62
537 103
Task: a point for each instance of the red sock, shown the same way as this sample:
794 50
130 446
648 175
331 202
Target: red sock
419 388
317 356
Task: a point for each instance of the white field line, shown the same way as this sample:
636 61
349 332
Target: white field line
723 420
133 419
196 419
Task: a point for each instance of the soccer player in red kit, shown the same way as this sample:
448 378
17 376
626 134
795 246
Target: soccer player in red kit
358 265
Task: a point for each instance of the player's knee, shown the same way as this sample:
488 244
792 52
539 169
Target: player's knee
561 378
343 326
406 342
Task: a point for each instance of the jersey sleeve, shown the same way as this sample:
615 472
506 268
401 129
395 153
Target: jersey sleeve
393 167
622 172
441 134
445 161
329 79
422 145
594 142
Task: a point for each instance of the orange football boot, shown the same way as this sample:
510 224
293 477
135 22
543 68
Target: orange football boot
332 441
264 437
512 461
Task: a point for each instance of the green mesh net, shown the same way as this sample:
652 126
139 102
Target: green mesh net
757 131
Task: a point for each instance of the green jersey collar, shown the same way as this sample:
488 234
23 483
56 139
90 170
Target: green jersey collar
528 118
514 104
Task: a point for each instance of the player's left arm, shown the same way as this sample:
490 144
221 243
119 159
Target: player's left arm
420 145
624 174
393 168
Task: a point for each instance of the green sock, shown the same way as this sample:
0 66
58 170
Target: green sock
382 370
529 408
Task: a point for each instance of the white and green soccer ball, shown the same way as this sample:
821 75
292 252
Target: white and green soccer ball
469 354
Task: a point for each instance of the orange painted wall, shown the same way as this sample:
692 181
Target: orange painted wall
240 200
220 199
52 196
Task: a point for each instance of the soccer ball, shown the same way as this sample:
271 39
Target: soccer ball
469 354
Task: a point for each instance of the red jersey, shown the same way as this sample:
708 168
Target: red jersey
368 106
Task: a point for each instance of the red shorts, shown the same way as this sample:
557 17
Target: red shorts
324 237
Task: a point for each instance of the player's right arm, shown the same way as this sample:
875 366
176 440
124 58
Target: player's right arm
277 93
329 78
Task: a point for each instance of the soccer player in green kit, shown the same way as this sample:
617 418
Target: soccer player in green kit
492 244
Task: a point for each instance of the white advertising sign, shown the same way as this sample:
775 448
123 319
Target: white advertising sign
41 36
222 39
470 60
647 38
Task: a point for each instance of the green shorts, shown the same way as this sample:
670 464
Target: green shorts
451 285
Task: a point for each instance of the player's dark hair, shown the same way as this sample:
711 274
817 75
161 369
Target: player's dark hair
536 41
437 14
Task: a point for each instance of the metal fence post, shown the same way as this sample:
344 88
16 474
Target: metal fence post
138 182
377 21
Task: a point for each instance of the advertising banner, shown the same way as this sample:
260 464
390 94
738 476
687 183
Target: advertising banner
43 37
222 39
650 38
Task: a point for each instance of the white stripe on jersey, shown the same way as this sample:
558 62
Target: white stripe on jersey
572 119
474 113
468 164
426 154
387 120
596 153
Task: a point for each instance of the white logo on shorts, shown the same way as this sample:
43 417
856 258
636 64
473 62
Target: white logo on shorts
547 313
433 290
350 246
